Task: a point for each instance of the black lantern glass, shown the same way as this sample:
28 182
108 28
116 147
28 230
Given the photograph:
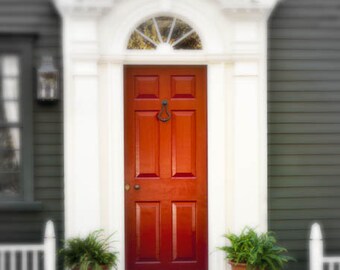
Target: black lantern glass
48 88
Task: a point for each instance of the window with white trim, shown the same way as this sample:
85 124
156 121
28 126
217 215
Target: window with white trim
164 33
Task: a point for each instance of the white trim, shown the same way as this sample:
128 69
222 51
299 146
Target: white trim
136 57
237 148
217 181
116 171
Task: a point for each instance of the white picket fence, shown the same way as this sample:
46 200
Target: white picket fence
26 256
317 258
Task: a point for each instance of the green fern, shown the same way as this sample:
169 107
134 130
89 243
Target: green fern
92 252
258 251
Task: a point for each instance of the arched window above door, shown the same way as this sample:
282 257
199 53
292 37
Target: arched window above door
164 33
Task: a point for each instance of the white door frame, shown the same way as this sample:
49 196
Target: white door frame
95 35
217 212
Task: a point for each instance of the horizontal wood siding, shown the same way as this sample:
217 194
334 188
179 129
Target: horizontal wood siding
39 19
304 124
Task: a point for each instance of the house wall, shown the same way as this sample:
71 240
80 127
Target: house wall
39 19
304 124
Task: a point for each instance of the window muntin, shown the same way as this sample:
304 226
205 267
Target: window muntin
10 126
164 33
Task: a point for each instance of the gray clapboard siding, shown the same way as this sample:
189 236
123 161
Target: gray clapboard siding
298 43
47 182
305 96
303 181
306 65
319 10
316 128
304 106
312 3
301 160
294 54
298 149
304 124
303 215
305 86
40 19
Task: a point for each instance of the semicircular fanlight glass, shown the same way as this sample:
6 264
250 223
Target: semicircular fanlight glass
164 33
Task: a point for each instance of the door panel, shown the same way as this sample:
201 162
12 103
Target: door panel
183 144
183 86
146 87
165 168
147 231
147 146
184 231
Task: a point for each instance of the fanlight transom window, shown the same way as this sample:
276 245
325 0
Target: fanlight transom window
164 33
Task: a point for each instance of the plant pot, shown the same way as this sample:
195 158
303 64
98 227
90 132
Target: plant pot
239 266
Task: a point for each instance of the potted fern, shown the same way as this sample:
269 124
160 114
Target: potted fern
90 253
253 251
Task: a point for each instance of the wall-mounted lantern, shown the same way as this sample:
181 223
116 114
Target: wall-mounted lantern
48 85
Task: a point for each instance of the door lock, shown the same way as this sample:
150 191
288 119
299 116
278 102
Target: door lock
127 187
137 187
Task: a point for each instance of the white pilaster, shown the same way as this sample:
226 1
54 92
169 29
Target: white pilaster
246 140
217 203
81 122
250 121
117 178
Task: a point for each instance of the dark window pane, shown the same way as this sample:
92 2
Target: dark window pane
181 28
148 28
9 161
9 104
10 88
9 184
10 65
9 111
10 138
192 42
164 24
138 42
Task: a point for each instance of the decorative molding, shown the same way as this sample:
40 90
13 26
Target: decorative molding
239 7
100 7
170 59
83 7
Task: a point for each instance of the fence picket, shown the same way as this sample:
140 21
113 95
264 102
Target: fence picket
24 260
2 260
35 260
12 260
317 260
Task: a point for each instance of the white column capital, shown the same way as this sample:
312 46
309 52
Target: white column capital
248 7
94 8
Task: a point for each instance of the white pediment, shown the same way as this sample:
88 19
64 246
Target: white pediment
247 5
93 7
99 7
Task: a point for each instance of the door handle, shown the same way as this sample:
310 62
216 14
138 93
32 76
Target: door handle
128 187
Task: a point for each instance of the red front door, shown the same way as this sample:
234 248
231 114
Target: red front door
165 168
